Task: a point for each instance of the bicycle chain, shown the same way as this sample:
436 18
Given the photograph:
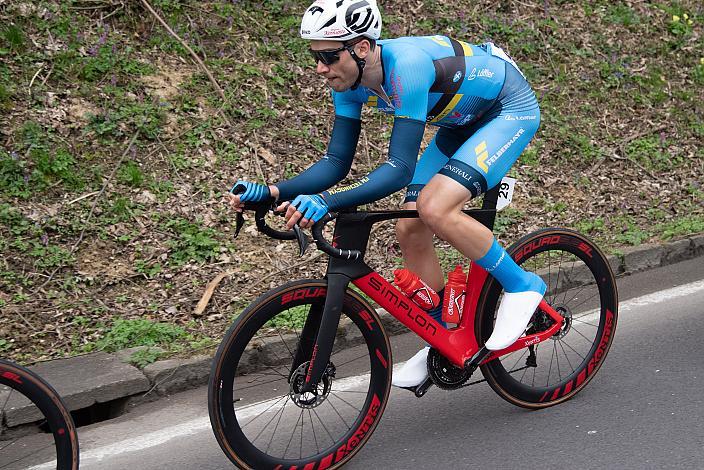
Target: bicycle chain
454 380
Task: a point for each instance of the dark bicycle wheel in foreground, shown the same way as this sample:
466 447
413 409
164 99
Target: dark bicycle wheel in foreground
26 397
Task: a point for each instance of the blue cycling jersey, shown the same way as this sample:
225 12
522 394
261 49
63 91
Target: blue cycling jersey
476 95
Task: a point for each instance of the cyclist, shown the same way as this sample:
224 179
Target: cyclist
486 114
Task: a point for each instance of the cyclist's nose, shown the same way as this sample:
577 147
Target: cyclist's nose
321 68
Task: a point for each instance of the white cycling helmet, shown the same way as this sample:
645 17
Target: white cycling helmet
341 20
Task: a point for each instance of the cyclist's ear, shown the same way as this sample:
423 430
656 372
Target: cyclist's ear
362 48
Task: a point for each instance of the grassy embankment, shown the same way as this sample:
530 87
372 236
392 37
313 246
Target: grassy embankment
619 155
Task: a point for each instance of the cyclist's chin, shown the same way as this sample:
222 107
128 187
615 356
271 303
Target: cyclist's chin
338 84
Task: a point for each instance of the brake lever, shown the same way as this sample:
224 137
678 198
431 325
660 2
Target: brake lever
302 239
239 222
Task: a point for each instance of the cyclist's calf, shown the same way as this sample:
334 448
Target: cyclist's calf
416 241
411 233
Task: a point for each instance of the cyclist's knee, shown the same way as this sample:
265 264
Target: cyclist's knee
431 210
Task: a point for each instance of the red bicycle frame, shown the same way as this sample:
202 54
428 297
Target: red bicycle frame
352 230
457 344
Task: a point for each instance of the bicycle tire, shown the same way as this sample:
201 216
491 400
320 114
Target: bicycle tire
261 379
15 379
590 328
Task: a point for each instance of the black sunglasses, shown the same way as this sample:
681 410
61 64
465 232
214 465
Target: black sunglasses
327 57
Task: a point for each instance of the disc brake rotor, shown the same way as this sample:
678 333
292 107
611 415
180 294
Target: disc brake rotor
319 393
566 325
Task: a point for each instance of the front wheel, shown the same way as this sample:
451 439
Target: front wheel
581 287
258 413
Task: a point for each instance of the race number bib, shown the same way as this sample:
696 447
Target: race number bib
505 192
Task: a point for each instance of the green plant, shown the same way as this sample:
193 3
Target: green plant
591 226
505 218
681 25
14 177
294 317
203 343
121 209
43 163
13 36
50 256
631 233
697 74
686 225
130 174
80 320
622 14
530 156
651 152
193 242
5 95
148 269
110 58
61 166
13 220
141 332
144 357
162 189
104 125
449 258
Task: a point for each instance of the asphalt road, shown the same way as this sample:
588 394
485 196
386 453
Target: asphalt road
644 409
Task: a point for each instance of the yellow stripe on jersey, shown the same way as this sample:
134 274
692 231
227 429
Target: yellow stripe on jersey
455 99
482 155
467 49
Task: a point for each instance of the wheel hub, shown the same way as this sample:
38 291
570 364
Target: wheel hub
320 392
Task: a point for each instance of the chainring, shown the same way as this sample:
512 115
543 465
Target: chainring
443 373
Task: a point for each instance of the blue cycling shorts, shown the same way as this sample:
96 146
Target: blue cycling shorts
480 154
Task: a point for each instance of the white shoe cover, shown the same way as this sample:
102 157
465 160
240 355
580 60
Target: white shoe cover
515 313
414 371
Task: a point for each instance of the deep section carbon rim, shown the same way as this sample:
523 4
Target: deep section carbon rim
582 289
260 416
36 430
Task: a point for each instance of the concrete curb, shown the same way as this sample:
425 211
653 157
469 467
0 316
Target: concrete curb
98 378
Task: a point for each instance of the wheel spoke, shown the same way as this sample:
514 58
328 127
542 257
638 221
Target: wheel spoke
259 415
566 356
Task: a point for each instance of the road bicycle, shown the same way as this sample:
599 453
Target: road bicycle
302 377
24 395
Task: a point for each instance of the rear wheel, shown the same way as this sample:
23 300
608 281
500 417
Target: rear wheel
258 414
26 397
581 287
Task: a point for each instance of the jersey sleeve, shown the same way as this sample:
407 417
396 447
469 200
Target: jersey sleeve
393 175
334 165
